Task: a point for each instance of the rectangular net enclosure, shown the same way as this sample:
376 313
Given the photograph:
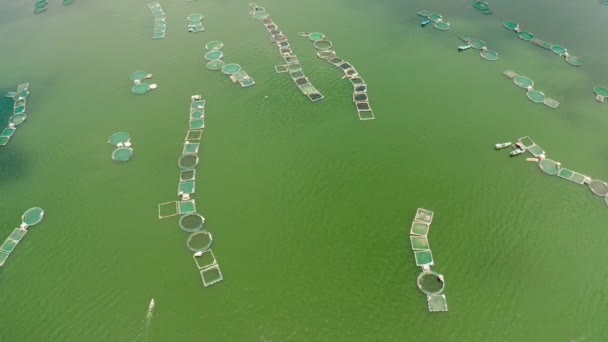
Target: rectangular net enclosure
22 87
424 13
510 74
535 150
465 38
549 102
167 209
281 69
526 141
186 188
194 135
437 302
419 243
3 257
423 258
188 175
198 104
17 234
186 207
191 148
578 178
366 114
423 215
204 259
9 245
419 228
211 275
565 173
197 124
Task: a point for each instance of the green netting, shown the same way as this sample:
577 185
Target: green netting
158 35
19 110
419 228
119 138
437 303
68 2
477 44
17 119
188 161
231 68
599 187
424 216
548 166
551 103
138 75
195 17
7 132
261 15
186 207
214 45
122 154
573 60
423 258
204 259
536 96
191 148
141 88
489 55
560 50
247 82
523 81
214 55
211 275
546 45
196 28
197 114
199 104
535 150
527 36
4 141
32 216
430 282
602 91
40 4
578 178
191 222
565 173
23 94
186 188
199 241
510 25
197 123
188 175
442 26
314 36
3 257
17 234
481 5
419 243
322 44
435 17
9 245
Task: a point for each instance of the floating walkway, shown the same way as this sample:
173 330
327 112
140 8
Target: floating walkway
324 51
122 142
140 87
292 63
234 71
601 93
482 6
30 218
478 45
195 23
18 117
533 95
429 282
200 240
436 19
553 168
529 37
160 25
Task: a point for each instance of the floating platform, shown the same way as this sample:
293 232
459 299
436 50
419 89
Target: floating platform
31 217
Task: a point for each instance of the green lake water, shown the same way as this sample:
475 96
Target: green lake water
309 207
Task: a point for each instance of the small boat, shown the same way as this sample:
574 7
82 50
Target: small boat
518 150
502 145
464 47
151 306
424 23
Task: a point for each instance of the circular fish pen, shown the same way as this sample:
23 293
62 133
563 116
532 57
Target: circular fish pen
430 283
322 44
214 55
573 60
214 45
17 119
32 216
326 54
559 50
315 36
523 81
489 55
119 138
40 6
231 68
141 88
138 76
477 44
191 222
435 17
187 161
442 26
195 17
122 154
548 166
536 96
527 36
480 5
199 241
598 187
511 25
601 91
215 65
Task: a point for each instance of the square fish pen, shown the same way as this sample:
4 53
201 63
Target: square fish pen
526 141
187 175
437 303
10 244
535 150
186 207
204 259
419 243
419 228
194 135
211 275
168 209
423 258
186 188
191 148
425 216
